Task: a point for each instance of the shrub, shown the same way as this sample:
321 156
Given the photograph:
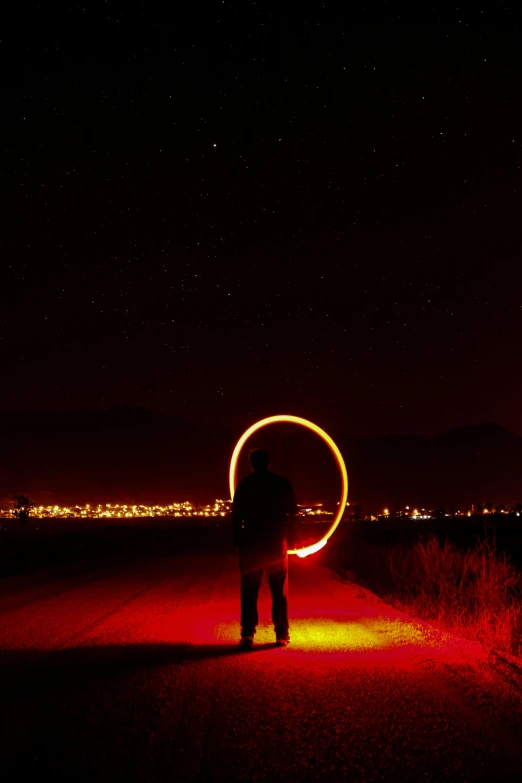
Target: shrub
476 593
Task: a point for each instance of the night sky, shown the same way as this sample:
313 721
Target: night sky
232 213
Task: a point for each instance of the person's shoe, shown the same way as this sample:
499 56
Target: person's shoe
283 642
246 642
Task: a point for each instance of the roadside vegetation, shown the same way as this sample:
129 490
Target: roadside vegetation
474 592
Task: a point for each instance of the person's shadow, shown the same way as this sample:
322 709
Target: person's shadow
36 671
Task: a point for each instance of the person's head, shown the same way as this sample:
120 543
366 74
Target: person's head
259 460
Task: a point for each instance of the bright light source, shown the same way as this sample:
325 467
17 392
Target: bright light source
309 550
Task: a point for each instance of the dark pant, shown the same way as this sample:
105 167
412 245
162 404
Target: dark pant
252 566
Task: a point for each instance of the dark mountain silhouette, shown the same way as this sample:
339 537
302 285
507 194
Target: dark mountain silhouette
130 454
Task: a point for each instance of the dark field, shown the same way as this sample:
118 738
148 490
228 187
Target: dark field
44 543
361 548
364 548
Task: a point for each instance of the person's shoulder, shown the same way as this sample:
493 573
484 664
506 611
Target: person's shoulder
242 482
281 480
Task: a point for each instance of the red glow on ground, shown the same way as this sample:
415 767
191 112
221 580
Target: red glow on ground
195 603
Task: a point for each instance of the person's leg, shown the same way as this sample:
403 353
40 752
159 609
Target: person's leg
277 574
251 577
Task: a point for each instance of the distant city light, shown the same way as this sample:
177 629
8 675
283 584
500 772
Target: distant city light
223 508
125 510
219 508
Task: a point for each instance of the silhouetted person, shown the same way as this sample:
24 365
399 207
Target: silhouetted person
262 510
22 508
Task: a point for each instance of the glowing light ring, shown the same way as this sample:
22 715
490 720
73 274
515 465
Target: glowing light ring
307 550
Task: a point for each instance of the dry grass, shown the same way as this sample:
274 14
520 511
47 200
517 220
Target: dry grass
476 593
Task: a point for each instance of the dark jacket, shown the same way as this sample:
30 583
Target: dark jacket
263 511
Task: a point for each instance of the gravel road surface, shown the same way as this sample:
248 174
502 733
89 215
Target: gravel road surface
131 672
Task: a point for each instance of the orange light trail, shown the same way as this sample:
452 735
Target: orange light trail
307 550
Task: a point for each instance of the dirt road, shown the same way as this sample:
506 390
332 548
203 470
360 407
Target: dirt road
131 672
